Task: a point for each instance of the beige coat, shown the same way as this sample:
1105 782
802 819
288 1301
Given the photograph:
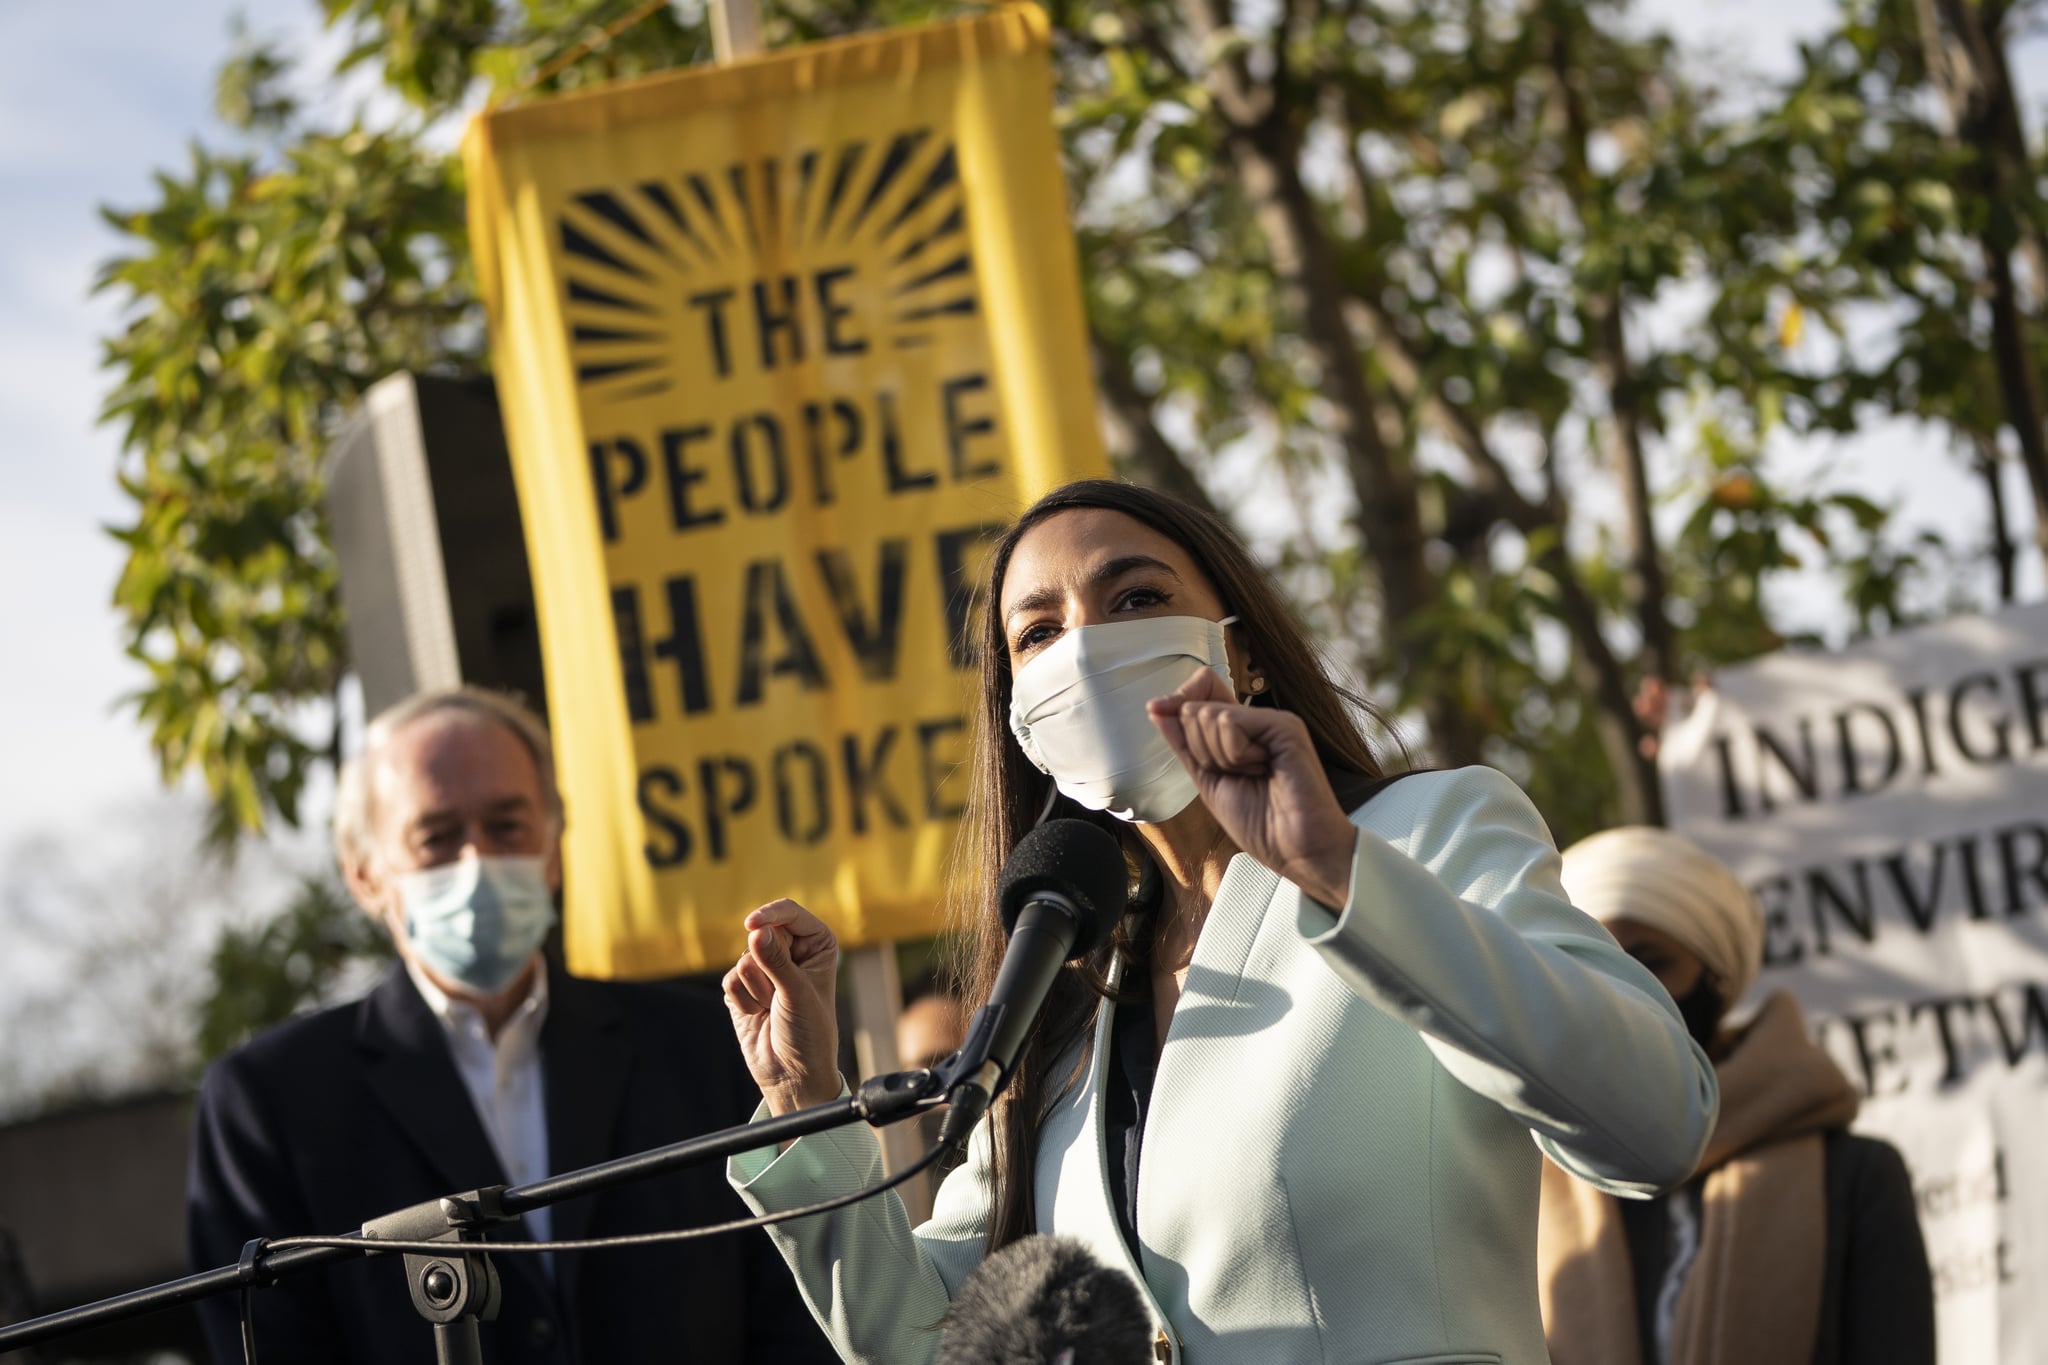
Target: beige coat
1753 1294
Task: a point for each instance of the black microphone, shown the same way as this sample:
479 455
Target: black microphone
1061 891
1046 1301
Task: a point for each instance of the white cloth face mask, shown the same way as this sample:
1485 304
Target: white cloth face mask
1078 711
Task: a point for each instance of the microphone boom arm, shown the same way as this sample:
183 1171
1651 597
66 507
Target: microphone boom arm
881 1100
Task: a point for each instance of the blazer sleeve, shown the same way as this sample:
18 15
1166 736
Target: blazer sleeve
240 1185
1461 928
779 1325
877 1286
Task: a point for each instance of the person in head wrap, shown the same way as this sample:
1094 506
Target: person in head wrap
1794 1241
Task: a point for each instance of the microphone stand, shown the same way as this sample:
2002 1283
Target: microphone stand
457 1290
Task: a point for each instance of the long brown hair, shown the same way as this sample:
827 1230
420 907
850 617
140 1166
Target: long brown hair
1007 793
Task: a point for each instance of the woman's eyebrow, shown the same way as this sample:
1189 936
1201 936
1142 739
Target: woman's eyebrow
1117 568
1110 569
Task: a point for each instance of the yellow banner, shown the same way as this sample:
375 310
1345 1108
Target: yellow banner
778 346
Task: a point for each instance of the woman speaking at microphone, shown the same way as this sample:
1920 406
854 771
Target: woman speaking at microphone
1294 1096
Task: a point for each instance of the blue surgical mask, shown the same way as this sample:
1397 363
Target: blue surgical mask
478 921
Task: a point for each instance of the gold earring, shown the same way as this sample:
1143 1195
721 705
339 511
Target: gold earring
1258 684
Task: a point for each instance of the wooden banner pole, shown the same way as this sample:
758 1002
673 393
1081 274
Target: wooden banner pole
875 990
735 29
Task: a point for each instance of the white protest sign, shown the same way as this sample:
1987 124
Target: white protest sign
1889 806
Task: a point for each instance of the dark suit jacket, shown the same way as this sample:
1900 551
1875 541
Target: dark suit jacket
329 1120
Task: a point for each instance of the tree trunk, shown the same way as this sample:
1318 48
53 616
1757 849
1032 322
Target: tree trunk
1265 153
1594 665
1645 561
2004 554
1985 107
1389 505
1621 731
1640 795
2017 382
1496 498
1609 343
1134 439
1989 106
1389 511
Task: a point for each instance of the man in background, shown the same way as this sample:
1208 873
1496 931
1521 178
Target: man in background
931 1028
479 1061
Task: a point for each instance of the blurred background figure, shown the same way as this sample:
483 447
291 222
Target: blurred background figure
931 1027
1794 1241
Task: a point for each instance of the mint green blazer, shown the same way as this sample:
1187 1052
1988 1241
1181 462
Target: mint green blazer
1337 1165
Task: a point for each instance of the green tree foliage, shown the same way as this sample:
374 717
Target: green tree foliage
270 972
1899 218
1406 253
265 291
1388 268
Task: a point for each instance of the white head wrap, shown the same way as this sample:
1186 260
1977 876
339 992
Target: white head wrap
1669 883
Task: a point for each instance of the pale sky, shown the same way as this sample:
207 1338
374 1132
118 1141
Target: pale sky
92 99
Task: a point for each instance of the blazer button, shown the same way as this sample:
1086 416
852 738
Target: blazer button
541 1333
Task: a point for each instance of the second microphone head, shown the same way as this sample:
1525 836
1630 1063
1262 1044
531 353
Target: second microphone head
1074 859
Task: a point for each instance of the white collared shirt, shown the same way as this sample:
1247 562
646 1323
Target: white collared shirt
503 1079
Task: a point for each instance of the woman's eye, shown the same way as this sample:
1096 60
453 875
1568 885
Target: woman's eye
1141 599
1032 636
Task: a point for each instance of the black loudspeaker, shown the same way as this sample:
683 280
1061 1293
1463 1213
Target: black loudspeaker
432 555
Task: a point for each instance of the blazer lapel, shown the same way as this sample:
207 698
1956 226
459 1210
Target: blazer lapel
413 1075
1208 1001
1081 1190
1101 1226
586 1056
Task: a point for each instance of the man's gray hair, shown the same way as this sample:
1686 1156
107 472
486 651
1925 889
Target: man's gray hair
353 817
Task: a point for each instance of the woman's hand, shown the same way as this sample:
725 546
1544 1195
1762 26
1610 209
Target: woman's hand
1258 773
780 995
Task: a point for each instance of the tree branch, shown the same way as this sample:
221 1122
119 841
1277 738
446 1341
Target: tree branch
1609 340
1134 439
1242 100
1989 463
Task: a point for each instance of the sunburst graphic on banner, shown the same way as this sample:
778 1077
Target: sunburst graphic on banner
636 256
